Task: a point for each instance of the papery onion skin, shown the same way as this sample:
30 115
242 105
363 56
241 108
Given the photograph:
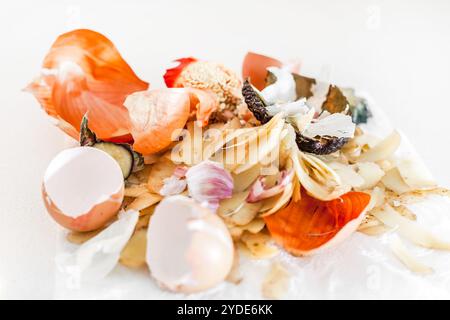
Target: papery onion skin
309 224
155 115
83 72
203 104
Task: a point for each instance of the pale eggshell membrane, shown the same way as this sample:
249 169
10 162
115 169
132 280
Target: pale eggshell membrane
189 249
83 188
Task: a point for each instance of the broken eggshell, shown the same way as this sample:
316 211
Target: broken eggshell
83 188
189 249
282 90
98 256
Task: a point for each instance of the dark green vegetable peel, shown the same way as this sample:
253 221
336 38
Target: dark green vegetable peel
128 159
336 102
255 103
359 108
320 145
87 137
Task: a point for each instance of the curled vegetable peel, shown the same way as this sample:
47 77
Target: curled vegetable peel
306 225
84 73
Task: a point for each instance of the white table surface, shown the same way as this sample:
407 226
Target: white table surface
399 52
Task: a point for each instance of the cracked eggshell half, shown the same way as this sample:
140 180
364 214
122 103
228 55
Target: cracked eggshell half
189 248
83 188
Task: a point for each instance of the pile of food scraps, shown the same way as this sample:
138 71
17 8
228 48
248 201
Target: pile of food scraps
184 178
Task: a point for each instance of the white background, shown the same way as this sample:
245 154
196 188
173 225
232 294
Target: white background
398 51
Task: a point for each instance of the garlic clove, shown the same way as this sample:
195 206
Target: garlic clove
208 182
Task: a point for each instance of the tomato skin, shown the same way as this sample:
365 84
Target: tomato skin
171 76
304 226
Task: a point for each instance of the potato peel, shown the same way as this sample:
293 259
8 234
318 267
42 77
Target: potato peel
400 251
143 201
81 237
259 246
409 229
382 150
276 282
133 255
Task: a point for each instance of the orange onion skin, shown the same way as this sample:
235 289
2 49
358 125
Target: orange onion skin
83 73
304 226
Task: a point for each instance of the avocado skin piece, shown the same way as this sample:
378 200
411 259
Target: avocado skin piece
255 103
320 145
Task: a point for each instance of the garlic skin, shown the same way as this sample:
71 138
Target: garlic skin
189 248
175 184
208 183
172 186
260 191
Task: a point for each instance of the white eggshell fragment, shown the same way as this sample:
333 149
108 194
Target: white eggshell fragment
189 249
83 188
97 257
283 90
